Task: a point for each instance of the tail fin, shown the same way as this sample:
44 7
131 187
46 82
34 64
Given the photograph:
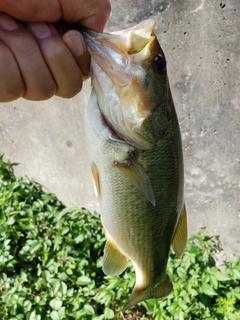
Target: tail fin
139 294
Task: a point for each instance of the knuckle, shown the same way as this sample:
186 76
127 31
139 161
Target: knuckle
8 95
107 7
70 92
12 86
47 91
42 92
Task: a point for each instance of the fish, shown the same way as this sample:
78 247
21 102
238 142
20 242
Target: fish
136 157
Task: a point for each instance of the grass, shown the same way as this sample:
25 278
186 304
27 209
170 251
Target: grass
50 266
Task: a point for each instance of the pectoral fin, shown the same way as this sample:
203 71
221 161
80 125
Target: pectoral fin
114 262
136 172
180 236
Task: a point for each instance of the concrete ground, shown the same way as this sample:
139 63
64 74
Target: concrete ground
201 40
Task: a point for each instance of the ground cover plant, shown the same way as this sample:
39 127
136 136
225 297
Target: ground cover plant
50 266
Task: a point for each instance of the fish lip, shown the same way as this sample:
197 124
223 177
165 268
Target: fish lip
148 24
109 58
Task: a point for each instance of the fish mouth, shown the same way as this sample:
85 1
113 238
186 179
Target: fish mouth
116 67
114 52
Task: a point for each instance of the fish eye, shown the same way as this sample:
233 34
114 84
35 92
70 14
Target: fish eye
160 62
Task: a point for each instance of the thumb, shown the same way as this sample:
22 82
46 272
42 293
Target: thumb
91 13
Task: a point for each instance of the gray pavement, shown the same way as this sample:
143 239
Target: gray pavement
201 40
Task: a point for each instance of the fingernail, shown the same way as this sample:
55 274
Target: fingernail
76 44
39 29
7 22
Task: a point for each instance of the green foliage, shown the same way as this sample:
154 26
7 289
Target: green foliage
50 266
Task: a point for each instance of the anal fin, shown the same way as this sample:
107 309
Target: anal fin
180 236
114 262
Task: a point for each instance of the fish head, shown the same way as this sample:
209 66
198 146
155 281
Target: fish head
130 80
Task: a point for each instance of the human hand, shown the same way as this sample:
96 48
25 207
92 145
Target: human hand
40 58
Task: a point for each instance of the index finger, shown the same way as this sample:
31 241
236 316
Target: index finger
91 13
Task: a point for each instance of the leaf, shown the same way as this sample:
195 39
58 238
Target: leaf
70 292
54 315
108 313
236 274
83 280
55 284
193 292
214 281
55 303
35 246
37 299
46 275
89 309
79 238
64 231
114 283
33 316
6 242
27 305
208 290
10 221
63 287
61 313
222 277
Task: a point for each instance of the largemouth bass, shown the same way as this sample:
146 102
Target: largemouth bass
136 154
